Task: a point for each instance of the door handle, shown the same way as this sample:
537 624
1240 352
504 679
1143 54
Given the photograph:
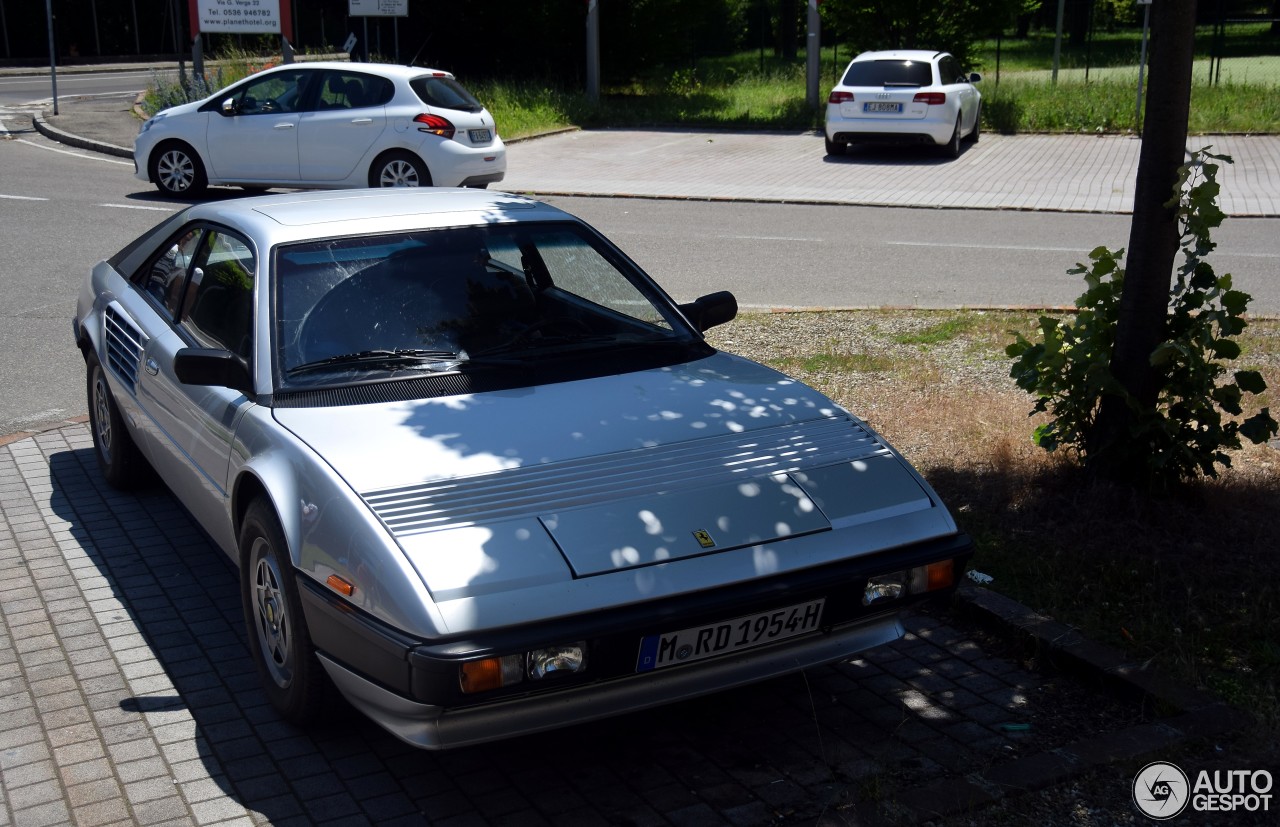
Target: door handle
284 126
362 120
151 366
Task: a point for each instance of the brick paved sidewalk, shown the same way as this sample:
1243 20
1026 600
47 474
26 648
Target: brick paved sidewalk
127 698
1073 173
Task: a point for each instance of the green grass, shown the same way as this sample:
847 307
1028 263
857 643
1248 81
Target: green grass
944 331
742 92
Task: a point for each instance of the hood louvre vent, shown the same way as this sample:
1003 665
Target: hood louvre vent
539 489
124 346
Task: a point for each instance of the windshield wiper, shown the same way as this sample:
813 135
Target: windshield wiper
447 359
400 354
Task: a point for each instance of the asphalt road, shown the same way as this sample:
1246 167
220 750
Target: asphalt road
62 210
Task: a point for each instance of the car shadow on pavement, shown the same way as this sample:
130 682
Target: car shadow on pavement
889 155
854 737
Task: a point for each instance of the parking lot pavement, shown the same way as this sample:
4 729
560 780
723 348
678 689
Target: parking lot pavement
127 697
1065 173
1076 173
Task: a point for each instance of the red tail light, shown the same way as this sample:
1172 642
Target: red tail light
840 97
435 124
931 98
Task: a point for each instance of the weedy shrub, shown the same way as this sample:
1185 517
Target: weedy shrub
1186 433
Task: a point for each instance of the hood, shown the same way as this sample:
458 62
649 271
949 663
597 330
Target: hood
397 444
528 491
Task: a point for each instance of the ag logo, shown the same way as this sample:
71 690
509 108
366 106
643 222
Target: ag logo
1161 790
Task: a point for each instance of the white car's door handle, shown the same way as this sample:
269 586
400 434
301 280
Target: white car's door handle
284 126
362 120
151 366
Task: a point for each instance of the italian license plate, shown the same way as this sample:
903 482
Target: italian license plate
480 136
881 107
698 642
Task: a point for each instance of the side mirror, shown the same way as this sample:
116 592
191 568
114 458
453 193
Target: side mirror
229 106
213 368
975 77
710 310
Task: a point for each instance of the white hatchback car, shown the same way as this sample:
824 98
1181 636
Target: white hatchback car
904 97
321 126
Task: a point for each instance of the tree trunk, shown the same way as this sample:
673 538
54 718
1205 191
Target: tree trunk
1153 235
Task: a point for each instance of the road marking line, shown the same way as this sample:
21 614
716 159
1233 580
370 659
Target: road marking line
22 198
771 238
1219 252
76 154
989 247
136 207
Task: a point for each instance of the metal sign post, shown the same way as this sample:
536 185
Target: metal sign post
394 9
593 51
53 61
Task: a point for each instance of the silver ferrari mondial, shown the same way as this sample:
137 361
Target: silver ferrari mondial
484 476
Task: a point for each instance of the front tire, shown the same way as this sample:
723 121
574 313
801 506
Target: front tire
177 171
977 127
399 169
292 677
119 460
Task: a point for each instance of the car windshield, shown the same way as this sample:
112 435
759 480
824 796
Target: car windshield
445 93
889 73
494 296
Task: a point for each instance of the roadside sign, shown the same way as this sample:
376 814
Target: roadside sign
260 16
378 8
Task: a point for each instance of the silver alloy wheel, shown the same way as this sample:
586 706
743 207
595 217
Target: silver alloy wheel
398 173
175 170
271 620
102 414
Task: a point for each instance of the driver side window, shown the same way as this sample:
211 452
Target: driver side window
276 93
218 310
164 278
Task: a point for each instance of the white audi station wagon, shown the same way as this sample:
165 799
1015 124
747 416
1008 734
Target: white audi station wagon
907 96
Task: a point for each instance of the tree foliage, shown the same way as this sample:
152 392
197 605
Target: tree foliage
945 25
1198 414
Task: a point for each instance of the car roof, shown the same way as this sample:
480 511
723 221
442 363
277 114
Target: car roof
900 54
304 216
390 70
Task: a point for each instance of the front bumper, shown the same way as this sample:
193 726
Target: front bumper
410 687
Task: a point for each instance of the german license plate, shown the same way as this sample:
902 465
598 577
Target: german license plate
698 642
480 136
881 107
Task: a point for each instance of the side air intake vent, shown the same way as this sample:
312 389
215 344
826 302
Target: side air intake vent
124 346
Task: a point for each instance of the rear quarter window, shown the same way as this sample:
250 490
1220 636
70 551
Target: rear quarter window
889 73
445 93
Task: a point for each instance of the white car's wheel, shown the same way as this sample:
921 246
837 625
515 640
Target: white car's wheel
399 169
951 149
977 127
834 147
292 677
177 171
